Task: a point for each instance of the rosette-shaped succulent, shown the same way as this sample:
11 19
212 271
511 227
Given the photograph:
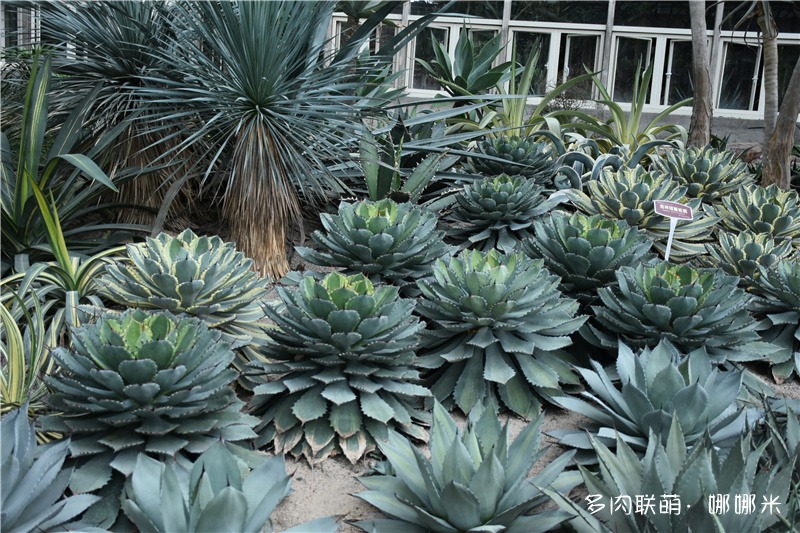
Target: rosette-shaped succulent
383 240
521 157
629 195
345 355
497 212
144 381
690 308
200 276
496 327
767 210
709 174
586 250
475 479
742 254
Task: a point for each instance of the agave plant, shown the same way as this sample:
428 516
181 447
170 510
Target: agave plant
515 156
653 388
345 353
767 210
475 480
142 381
212 494
383 240
497 324
201 276
743 254
678 488
585 250
629 195
34 481
708 173
689 307
497 212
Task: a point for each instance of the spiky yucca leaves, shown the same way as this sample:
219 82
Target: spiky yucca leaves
34 481
629 195
709 174
143 381
767 210
654 388
345 353
742 254
687 482
384 240
691 308
497 212
585 250
496 327
475 479
201 276
521 157
212 494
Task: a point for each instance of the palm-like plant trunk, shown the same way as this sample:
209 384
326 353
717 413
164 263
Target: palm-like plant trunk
702 106
769 35
776 158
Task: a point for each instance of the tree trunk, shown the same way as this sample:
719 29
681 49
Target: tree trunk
702 104
769 36
778 154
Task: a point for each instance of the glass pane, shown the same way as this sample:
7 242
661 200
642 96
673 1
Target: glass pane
653 14
487 9
787 59
581 51
424 51
737 78
527 43
550 11
632 55
678 78
382 36
480 38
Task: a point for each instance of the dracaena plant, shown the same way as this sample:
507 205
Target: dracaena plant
688 488
654 386
345 364
497 325
585 250
767 210
743 254
629 194
383 240
497 213
475 479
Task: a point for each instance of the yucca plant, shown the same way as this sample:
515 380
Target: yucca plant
767 210
516 156
34 481
344 353
585 250
743 254
200 276
708 173
678 488
629 195
143 381
497 212
383 240
497 325
211 494
475 479
655 386
690 307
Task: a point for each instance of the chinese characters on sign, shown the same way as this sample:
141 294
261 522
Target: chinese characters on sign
649 504
674 212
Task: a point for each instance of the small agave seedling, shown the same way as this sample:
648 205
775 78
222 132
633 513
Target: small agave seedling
497 213
344 351
33 481
496 327
767 210
653 388
521 157
475 479
685 483
212 494
743 253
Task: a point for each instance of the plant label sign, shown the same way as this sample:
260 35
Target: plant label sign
674 212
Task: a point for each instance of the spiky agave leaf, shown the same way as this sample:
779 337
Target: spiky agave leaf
741 254
497 212
522 156
344 352
497 327
475 479
767 210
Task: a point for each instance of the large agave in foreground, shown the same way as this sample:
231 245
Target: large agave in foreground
521 157
744 253
384 240
497 212
497 324
475 480
345 355
767 210
707 173
200 276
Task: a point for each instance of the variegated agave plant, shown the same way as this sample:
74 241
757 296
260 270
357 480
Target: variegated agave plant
743 254
497 325
766 210
344 354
